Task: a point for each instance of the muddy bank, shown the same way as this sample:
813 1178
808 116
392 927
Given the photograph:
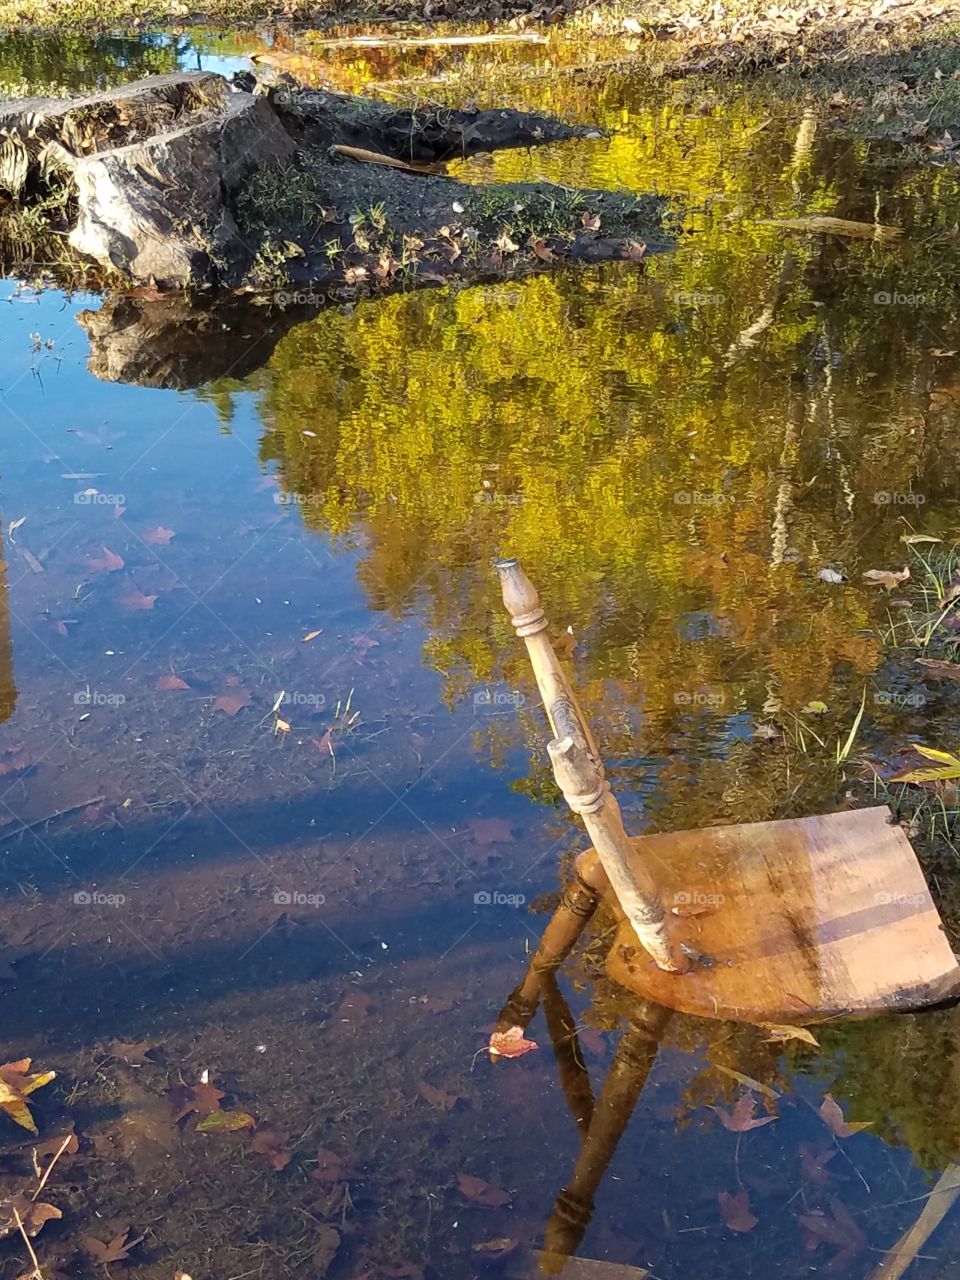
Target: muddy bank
184 180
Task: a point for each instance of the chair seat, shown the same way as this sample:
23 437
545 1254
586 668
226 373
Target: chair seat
792 921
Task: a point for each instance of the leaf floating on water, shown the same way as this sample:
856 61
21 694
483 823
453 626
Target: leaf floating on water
742 1118
736 1211
170 683
510 1044
226 1122
311 635
480 1192
137 602
886 578
201 1098
231 703
115 1250
832 1117
109 562
16 1084
591 221
778 1034
748 1081
836 227
950 767
542 250
634 250
815 708
919 539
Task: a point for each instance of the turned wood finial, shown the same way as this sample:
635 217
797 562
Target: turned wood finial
521 599
577 776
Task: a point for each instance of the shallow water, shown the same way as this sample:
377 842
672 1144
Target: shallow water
308 503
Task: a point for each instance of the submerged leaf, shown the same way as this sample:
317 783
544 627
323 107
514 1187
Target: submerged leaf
226 1122
736 1211
887 578
481 1192
832 1117
742 1118
776 1033
836 226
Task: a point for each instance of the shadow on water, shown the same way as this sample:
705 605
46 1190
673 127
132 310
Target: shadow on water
208 505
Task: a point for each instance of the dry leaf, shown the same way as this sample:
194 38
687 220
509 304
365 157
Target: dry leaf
736 1211
591 221
495 1250
136 1054
887 578
137 601
201 1098
510 1044
776 1034
16 1084
330 1167
231 703
742 1119
836 227
439 1098
325 1248
170 683
813 1164
115 1250
33 1214
110 562
481 1192
832 1117
634 250
272 1148
542 250
159 537
838 1229
226 1121
311 635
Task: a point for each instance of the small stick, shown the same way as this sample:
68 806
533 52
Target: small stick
914 1238
38 1274
43 1180
60 813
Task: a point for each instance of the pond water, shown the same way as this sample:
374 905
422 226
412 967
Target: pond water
323 902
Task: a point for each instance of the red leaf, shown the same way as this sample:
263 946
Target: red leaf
272 1148
481 1192
136 601
634 250
736 1211
591 221
231 703
109 563
159 537
171 682
543 250
742 1119
510 1043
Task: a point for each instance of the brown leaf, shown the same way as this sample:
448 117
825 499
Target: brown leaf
135 1053
33 1214
495 1250
736 1211
137 601
510 1043
634 250
838 1228
325 1249
312 635
542 250
742 1119
354 1007
330 1167
170 682
54 1147
813 1164
109 562
231 703
486 831
481 1192
591 221
159 537
203 1099
439 1098
115 1250
272 1148
832 1117
886 578
16 1084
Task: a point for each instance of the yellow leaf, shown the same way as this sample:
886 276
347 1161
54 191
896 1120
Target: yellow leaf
942 757
282 726
311 635
777 1033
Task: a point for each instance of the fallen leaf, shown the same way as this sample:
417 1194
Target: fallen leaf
813 1164
481 1192
634 250
325 1248
32 560
748 1081
836 226
918 539
833 576
110 562
510 1044
170 683
272 1148
33 1214
838 1229
495 1250
226 1121
815 708
832 1117
736 1211
311 635
55 1147
115 1250
438 1098
354 1007
591 221
542 250
201 1098
486 831
159 537
330 1167
16 1084
947 670
886 578
137 601
505 244
136 1054
231 703
949 767
776 1034
742 1119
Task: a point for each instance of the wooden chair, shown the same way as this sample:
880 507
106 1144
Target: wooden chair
793 922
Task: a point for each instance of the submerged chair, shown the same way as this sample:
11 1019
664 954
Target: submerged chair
808 918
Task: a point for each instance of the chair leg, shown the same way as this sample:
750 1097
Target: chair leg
579 901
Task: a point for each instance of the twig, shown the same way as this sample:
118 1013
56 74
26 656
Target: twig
43 1180
38 1274
51 817
908 1247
